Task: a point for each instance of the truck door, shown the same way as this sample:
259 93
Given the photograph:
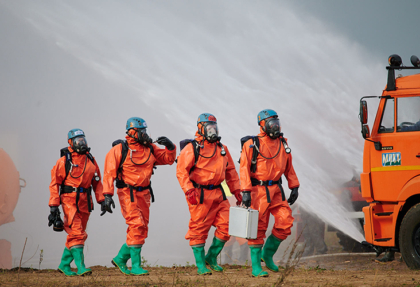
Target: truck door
399 159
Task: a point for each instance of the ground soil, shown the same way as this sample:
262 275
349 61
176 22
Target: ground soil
324 270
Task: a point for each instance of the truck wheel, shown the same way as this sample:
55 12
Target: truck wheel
410 237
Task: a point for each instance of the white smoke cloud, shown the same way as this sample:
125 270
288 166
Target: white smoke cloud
98 63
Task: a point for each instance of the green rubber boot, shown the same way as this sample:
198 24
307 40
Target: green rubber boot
214 250
135 254
79 259
199 260
64 266
256 261
121 259
270 248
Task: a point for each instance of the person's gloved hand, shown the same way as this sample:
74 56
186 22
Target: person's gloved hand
238 196
55 220
166 142
106 204
246 198
293 195
54 211
192 196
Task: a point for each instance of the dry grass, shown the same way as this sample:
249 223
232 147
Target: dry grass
351 270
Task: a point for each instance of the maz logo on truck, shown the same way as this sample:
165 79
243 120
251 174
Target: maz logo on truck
391 159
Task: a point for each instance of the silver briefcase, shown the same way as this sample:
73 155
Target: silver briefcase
243 222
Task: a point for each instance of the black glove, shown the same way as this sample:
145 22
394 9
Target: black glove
166 142
293 196
106 204
54 219
246 198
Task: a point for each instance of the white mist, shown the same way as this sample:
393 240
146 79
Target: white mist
170 61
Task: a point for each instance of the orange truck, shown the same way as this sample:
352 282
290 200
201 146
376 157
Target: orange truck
390 181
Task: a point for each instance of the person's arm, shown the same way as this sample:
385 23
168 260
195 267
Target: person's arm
112 163
245 166
290 173
97 185
58 173
164 156
185 162
232 177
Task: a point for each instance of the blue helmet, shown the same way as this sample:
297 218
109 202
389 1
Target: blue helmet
78 141
75 133
206 117
135 122
265 114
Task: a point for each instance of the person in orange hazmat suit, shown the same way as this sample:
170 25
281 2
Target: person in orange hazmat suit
201 168
132 174
72 179
262 189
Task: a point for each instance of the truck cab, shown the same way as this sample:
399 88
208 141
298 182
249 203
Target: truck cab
390 180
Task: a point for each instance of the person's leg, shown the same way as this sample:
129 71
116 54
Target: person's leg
321 247
307 233
389 256
256 261
139 220
79 259
201 220
67 257
64 266
221 235
282 214
76 241
135 254
200 261
121 259
259 202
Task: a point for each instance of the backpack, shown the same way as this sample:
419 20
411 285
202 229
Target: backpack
196 148
65 152
255 150
124 152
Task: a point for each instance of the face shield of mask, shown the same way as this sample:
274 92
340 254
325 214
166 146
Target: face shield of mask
80 145
272 128
211 132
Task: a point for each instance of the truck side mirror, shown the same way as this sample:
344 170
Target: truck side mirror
365 131
363 115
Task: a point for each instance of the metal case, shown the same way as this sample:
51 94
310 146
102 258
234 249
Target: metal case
243 222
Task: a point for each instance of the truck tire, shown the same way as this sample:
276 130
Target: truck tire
410 237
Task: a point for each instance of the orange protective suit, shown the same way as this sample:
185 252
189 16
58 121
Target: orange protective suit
211 169
136 213
75 222
269 169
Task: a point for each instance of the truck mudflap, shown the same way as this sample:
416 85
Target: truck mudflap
380 221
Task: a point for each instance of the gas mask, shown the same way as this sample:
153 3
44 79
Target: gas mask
80 145
142 137
211 132
272 128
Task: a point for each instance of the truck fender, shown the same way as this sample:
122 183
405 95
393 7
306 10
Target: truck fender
411 188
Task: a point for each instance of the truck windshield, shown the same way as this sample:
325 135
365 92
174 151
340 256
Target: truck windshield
387 121
408 114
